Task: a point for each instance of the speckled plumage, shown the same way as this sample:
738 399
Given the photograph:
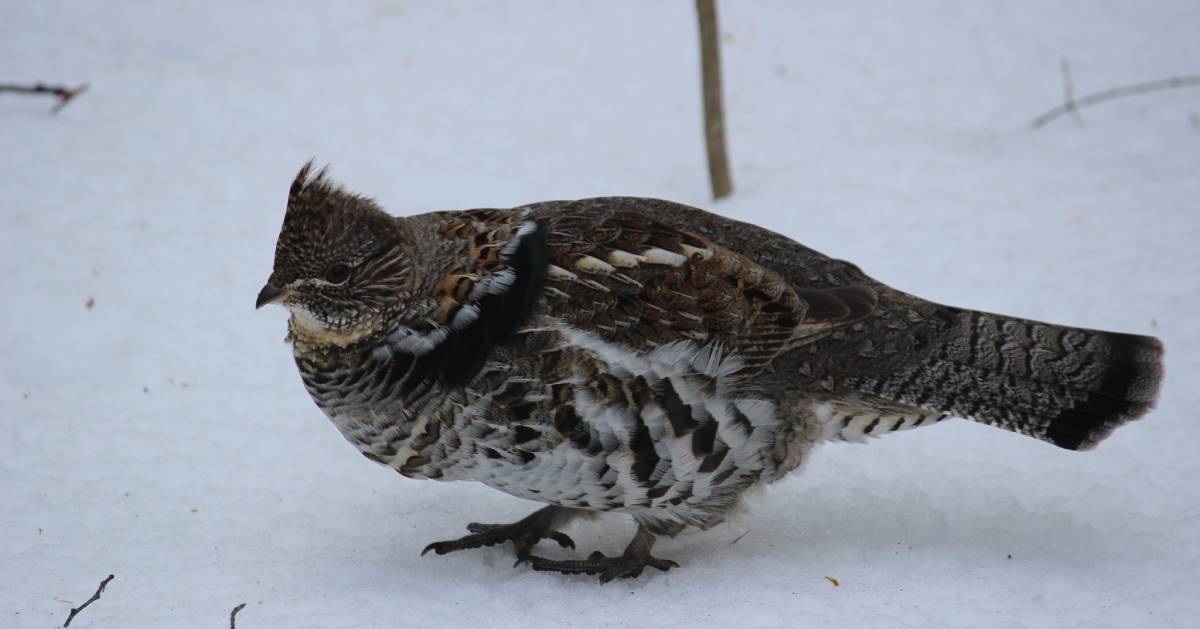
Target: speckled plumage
636 355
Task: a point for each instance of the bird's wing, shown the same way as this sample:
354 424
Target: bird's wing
632 279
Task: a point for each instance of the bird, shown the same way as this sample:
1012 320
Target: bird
638 356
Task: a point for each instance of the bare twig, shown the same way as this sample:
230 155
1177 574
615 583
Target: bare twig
95 597
64 94
714 113
1069 90
233 616
1071 105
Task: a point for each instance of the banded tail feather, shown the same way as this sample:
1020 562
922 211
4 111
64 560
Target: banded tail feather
1069 386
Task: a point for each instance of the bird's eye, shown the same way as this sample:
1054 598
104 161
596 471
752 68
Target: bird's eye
337 274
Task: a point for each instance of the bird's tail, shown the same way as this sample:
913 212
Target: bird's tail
1068 386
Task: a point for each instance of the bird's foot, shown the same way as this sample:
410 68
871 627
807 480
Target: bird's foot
630 564
524 534
608 568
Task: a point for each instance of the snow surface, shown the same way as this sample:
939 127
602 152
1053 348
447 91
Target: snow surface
163 436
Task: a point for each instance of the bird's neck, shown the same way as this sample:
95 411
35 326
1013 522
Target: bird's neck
309 336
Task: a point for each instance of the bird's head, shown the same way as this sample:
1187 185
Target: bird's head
343 266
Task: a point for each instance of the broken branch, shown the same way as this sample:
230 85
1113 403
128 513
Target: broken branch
1072 105
64 94
95 597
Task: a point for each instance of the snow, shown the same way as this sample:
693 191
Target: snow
163 436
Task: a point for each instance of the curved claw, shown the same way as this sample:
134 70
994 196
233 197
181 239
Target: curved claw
463 543
562 538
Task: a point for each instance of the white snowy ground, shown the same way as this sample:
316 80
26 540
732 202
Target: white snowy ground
163 436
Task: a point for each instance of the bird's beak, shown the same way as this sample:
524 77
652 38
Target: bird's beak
269 294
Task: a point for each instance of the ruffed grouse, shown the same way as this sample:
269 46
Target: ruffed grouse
636 355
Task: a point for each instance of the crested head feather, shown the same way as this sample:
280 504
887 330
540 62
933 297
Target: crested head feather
306 178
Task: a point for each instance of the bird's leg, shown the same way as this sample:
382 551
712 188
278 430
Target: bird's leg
524 534
630 564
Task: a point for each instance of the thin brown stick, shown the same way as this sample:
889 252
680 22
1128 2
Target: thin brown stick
64 94
1072 105
233 616
714 112
95 597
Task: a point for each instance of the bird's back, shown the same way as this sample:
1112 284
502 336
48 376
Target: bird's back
894 361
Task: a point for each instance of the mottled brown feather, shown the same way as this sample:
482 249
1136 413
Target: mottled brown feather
641 283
